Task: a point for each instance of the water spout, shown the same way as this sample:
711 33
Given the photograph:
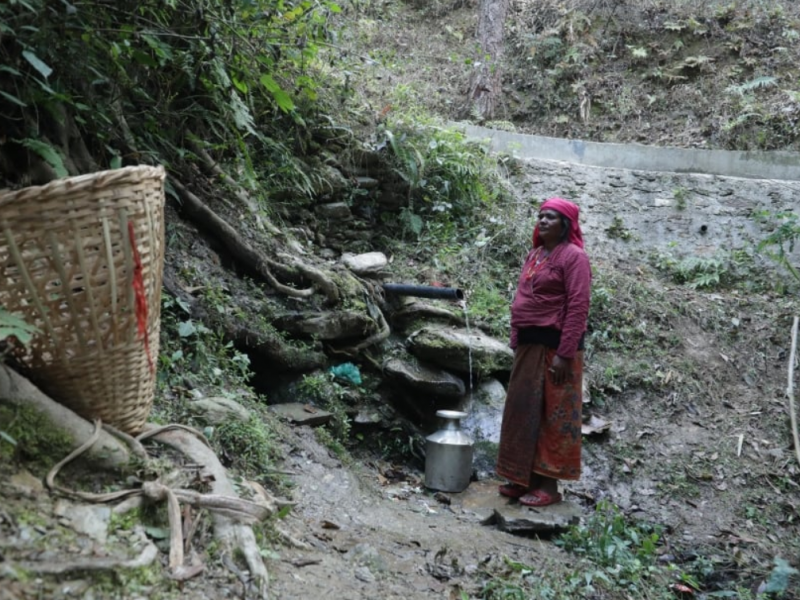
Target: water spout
424 291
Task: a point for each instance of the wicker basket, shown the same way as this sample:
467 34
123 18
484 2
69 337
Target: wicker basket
82 259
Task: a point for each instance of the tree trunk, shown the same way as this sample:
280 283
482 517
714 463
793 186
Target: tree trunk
486 80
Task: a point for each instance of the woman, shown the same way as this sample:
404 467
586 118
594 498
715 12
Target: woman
540 439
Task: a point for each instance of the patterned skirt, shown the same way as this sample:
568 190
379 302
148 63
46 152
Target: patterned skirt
541 431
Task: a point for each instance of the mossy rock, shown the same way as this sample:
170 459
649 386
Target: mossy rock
461 350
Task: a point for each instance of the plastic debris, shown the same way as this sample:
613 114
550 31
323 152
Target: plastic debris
347 372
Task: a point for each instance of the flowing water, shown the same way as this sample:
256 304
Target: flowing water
469 341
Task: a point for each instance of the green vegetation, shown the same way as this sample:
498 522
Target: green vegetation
681 195
781 240
623 553
724 270
616 559
30 436
324 391
250 446
13 326
617 230
139 80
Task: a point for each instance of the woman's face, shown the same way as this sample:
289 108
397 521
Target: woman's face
550 226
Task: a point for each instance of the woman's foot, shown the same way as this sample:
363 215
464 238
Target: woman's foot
539 498
512 490
544 493
515 490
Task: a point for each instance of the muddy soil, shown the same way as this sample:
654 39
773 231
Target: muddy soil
370 537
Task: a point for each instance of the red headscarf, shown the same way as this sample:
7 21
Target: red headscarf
570 211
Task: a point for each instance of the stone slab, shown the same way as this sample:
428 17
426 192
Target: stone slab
482 498
301 414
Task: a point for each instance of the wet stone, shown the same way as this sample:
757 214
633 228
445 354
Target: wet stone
516 518
336 211
26 483
218 410
301 414
483 499
426 379
365 264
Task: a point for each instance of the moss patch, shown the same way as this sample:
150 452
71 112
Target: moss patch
37 439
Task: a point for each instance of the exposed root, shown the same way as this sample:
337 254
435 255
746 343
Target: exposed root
241 194
291 540
375 338
107 453
55 567
234 243
325 283
237 538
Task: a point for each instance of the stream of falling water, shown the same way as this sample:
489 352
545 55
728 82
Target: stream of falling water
469 341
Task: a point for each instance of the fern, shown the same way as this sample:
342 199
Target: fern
11 325
48 153
753 84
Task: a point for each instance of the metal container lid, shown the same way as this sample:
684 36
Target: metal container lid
451 414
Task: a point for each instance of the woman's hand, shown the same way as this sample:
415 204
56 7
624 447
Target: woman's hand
559 370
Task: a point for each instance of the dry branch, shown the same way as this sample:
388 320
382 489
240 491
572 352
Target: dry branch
107 453
790 388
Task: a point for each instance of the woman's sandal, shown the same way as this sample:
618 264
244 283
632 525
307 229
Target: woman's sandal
512 490
539 498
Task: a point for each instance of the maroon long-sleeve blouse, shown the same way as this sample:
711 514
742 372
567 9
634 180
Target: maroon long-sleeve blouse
556 296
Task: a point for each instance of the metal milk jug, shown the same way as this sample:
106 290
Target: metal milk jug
448 455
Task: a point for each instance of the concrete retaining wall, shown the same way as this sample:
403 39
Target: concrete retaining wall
753 165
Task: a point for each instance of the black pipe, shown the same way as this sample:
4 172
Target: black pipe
424 291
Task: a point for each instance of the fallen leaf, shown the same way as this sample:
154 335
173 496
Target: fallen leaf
595 425
682 589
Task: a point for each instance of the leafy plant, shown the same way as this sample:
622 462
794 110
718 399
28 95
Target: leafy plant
624 552
782 239
13 326
708 272
617 230
680 194
779 578
136 79
753 84
249 445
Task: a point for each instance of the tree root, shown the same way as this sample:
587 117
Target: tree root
230 513
238 247
325 283
55 567
236 538
107 453
375 338
241 194
268 345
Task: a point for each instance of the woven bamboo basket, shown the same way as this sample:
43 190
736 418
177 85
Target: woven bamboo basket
82 259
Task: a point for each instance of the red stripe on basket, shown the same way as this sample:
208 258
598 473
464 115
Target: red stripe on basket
141 299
